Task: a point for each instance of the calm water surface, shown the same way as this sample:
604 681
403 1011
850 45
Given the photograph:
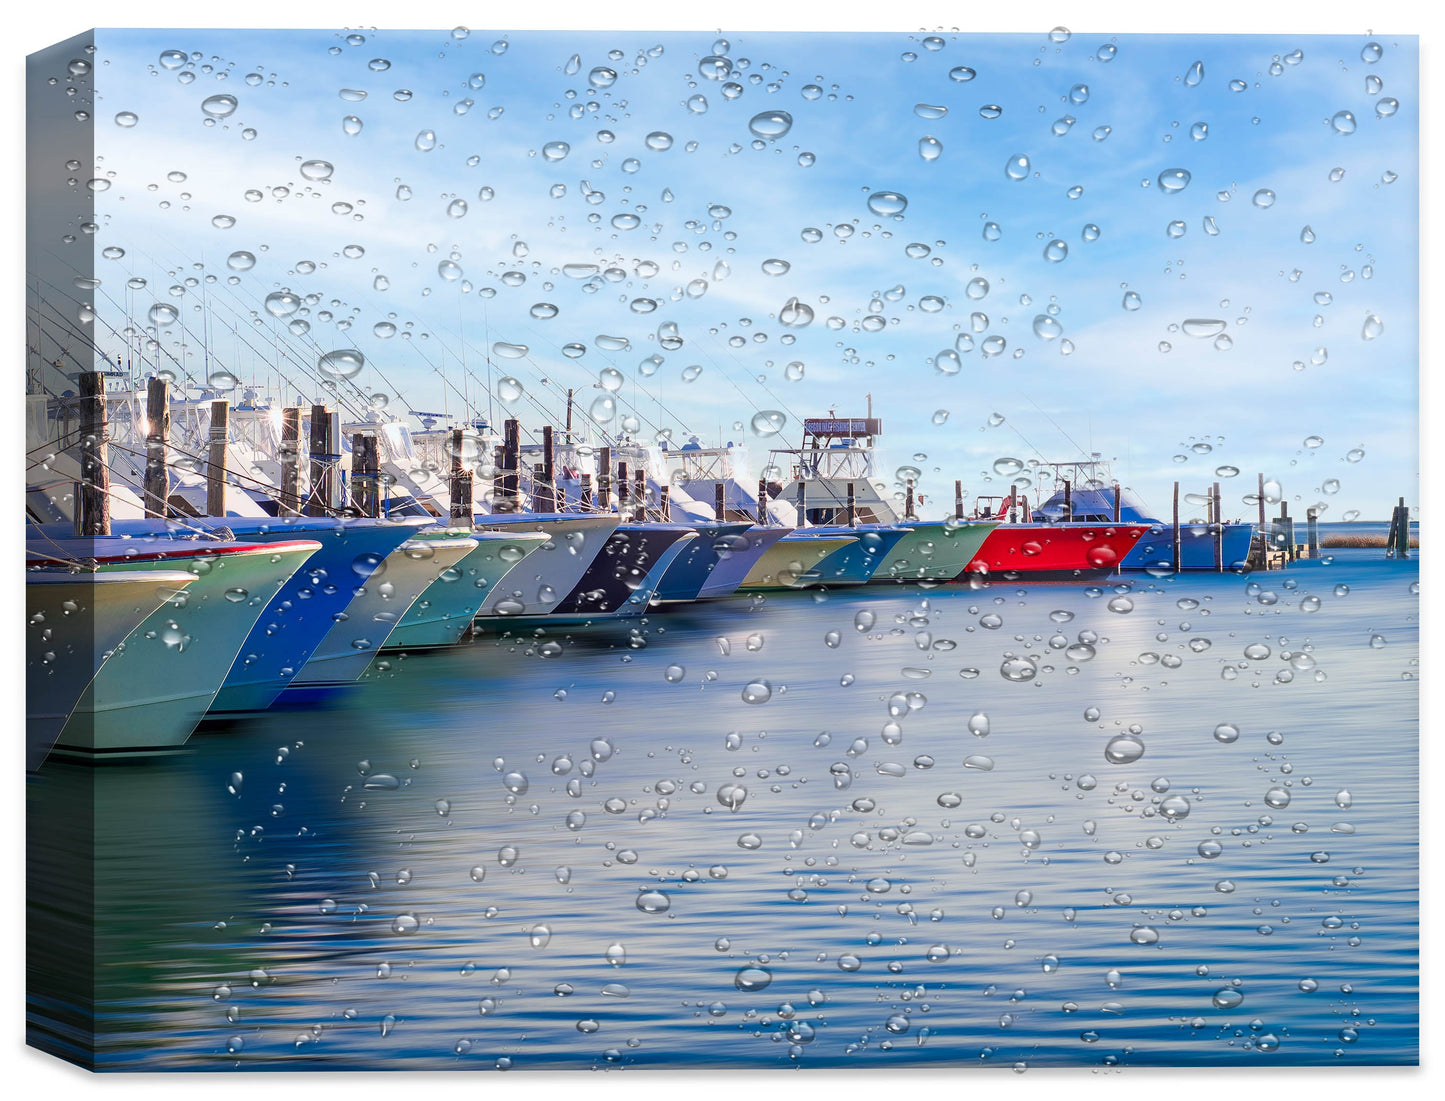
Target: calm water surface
1151 822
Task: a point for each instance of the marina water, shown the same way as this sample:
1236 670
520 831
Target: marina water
1145 821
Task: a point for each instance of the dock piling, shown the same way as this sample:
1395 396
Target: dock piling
216 458
290 456
639 486
604 480
365 475
762 501
92 504
319 495
1175 558
158 430
461 484
549 468
511 465
1216 506
1402 530
1312 522
852 507
586 492
1116 502
719 501
908 502
1013 504
1069 502
622 490
958 500
664 506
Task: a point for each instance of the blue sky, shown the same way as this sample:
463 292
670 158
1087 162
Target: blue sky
1297 365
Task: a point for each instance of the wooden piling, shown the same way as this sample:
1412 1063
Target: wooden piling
1013 504
1117 506
1069 502
586 492
1176 528
1312 522
459 485
1286 527
958 500
216 458
664 506
158 430
639 495
719 501
541 490
762 501
1392 537
1218 510
365 475
622 490
908 502
852 507
318 499
604 480
549 468
1402 537
290 456
1261 505
461 494
568 429
92 504
511 465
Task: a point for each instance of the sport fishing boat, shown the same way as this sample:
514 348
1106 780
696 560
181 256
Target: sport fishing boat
74 621
545 578
304 609
792 562
624 577
832 485
159 682
736 560
858 561
380 602
444 612
1086 492
694 567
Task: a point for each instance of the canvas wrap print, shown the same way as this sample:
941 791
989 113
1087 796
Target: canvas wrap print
576 550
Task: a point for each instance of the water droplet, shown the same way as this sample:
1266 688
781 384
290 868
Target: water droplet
1195 76
1056 251
654 902
1174 180
1263 198
752 979
219 106
1123 749
1373 327
1018 167
887 203
342 363
1203 328
771 124
757 692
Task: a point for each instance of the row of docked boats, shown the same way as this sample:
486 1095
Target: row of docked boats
138 634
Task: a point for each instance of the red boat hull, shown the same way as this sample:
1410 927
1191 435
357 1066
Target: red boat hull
1062 550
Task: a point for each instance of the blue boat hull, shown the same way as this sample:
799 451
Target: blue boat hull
693 567
1155 551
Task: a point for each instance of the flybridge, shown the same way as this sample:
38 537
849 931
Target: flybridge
851 428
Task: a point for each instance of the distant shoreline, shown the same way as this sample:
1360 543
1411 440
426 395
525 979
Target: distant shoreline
1333 541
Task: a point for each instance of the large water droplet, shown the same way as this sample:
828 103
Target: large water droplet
1174 180
771 124
219 106
341 363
